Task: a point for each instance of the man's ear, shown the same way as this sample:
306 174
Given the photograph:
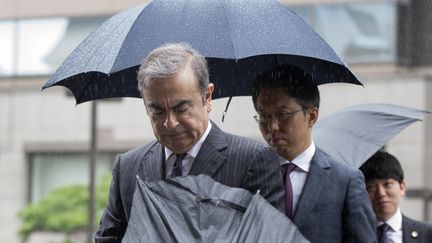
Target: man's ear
210 89
313 115
208 96
402 187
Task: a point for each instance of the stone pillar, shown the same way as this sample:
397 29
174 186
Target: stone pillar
428 147
414 33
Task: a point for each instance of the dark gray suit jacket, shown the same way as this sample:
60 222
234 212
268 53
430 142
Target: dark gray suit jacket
334 205
415 231
231 160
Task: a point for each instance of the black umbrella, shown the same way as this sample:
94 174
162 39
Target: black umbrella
240 38
199 209
353 134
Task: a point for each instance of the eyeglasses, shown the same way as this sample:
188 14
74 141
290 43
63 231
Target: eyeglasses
280 116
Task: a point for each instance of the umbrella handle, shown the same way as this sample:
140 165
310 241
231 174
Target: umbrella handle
226 108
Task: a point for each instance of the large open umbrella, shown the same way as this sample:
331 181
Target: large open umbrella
354 133
240 38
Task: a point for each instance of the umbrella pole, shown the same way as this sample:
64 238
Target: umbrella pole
92 174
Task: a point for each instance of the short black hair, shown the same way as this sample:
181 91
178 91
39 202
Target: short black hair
382 165
295 81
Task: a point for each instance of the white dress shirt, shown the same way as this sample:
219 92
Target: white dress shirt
299 175
395 223
190 155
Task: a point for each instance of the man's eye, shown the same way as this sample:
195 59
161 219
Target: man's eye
282 114
181 109
157 112
264 116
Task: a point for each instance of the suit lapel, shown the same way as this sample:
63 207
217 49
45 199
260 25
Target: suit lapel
152 166
317 180
210 156
208 160
410 233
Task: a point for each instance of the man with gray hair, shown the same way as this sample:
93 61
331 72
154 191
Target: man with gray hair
174 83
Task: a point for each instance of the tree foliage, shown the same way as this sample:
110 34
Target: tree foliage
65 209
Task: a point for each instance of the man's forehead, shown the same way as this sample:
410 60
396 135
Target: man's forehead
281 106
170 104
273 92
381 180
275 101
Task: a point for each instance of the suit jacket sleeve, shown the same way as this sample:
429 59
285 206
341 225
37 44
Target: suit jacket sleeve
264 173
359 220
113 222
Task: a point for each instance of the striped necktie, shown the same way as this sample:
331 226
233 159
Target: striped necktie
382 233
177 168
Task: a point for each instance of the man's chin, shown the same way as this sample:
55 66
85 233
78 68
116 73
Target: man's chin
385 214
179 148
281 150
281 146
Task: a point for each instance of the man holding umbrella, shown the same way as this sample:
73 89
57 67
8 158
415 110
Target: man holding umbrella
174 83
327 200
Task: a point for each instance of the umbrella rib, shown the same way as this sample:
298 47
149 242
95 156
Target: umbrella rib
230 30
82 93
125 37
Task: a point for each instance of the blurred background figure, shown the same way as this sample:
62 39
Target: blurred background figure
386 187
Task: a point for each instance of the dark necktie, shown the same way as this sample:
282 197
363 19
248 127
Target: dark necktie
382 233
177 168
289 190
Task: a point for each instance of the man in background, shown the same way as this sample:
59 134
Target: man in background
386 187
327 200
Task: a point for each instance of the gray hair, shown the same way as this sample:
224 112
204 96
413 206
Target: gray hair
170 59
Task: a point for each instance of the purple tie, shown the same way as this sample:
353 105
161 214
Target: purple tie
177 168
289 190
382 233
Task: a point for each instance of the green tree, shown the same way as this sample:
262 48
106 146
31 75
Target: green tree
65 209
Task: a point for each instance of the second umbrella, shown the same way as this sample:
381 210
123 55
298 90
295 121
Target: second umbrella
353 134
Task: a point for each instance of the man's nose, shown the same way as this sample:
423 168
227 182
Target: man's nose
381 191
273 124
171 120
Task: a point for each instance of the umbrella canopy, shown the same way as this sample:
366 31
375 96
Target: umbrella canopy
240 38
200 209
355 133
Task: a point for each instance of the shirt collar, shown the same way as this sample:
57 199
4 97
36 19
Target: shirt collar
196 148
395 221
303 160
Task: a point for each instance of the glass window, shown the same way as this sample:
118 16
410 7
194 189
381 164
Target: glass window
38 46
6 48
50 171
357 32
76 31
36 38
